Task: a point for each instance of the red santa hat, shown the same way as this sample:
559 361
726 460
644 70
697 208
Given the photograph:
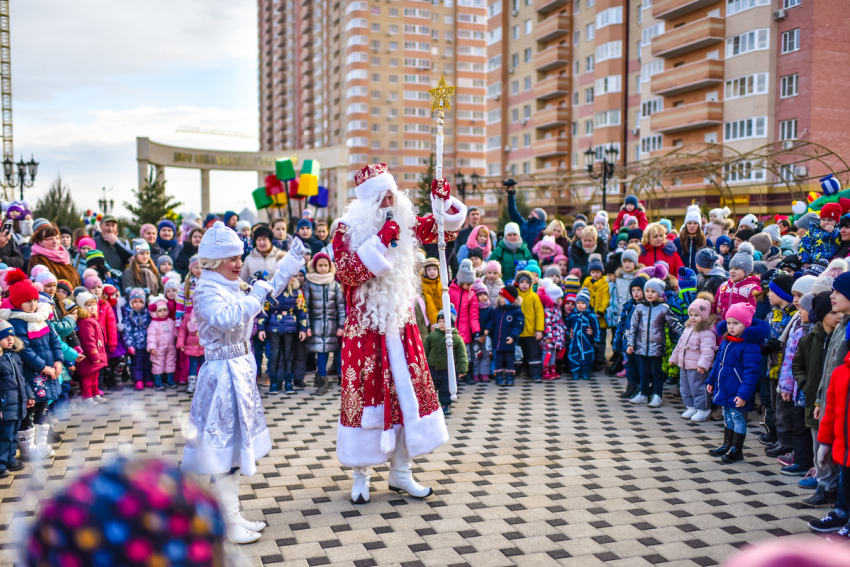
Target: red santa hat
21 289
372 180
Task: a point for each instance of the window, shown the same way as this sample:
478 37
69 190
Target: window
788 130
743 171
526 140
610 50
576 67
747 42
588 127
639 14
735 6
526 54
650 143
575 97
607 118
590 3
515 32
515 60
527 27
746 128
609 84
494 142
588 95
651 106
515 115
494 89
609 17
576 37
789 85
588 61
790 3
791 41
590 32
494 116
494 62
649 69
514 142
494 9
747 85
494 35
526 167
527 83
576 6
526 111
393 12
650 32
574 130
514 87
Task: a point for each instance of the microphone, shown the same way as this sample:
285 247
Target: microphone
388 216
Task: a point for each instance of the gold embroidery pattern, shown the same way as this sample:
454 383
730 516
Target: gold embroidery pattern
351 410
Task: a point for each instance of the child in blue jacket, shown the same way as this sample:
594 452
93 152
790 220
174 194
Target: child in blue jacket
735 375
630 364
506 323
284 322
13 398
137 318
583 330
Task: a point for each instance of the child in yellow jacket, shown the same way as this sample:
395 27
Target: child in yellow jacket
535 323
600 297
432 290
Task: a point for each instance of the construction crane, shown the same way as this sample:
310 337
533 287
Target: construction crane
6 88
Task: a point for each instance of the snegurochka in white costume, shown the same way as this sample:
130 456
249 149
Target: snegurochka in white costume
390 410
229 432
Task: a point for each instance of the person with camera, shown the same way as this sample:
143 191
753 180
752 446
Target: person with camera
9 252
529 228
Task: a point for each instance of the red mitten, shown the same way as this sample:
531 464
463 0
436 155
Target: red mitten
440 189
389 232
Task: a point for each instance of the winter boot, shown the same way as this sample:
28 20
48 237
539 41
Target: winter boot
190 389
736 453
630 391
26 443
321 385
42 449
400 478
140 385
360 488
274 387
287 384
149 384
701 415
157 382
500 379
228 494
299 383
509 380
169 381
727 444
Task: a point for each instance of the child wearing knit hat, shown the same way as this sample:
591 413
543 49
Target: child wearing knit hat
162 339
630 364
493 281
13 392
583 329
823 240
504 328
600 222
465 302
432 290
600 298
733 382
529 339
436 354
481 348
136 320
694 355
554 335
647 339
742 284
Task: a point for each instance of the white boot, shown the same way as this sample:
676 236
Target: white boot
400 478
25 443
701 415
360 488
228 495
42 449
245 523
689 413
190 389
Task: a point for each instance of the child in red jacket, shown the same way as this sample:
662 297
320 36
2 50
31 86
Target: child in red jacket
106 318
93 344
833 431
465 302
189 344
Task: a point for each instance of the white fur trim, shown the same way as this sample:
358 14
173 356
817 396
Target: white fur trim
358 447
220 242
451 221
378 184
373 417
288 266
203 459
388 440
371 253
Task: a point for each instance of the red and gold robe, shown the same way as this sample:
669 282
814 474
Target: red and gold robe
386 383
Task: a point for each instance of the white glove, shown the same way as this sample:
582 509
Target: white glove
260 289
297 248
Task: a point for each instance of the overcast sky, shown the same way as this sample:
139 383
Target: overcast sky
90 76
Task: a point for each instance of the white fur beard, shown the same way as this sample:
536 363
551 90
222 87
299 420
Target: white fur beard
389 296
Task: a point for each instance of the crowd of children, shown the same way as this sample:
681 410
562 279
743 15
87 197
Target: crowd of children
749 322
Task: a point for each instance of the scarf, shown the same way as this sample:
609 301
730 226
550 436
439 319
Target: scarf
60 256
150 280
484 304
320 279
166 244
732 339
513 246
591 251
36 322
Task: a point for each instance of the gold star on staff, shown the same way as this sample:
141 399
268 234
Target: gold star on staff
441 94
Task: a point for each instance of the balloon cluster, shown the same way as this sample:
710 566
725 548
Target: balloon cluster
91 218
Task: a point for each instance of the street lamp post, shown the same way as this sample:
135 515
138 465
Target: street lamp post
25 175
106 205
608 163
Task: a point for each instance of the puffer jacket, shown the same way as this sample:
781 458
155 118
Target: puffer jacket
737 366
623 285
466 305
835 423
493 290
432 294
13 389
836 350
731 293
665 253
697 345
93 343
437 354
600 297
623 326
136 328
711 282
257 265
532 309
689 256
326 314
808 368
580 345
289 315
580 258
647 329
818 244
509 260
109 324
187 338
41 348
506 321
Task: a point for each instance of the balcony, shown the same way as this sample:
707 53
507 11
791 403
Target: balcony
698 75
552 58
552 27
550 117
700 153
687 117
552 87
551 147
546 6
671 9
696 35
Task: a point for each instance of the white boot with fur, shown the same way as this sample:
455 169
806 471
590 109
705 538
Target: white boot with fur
401 475
360 489
42 450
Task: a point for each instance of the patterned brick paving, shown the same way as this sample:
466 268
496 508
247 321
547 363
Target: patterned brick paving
562 473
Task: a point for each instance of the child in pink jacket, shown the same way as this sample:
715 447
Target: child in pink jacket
189 344
694 354
465 302
742 284
162 336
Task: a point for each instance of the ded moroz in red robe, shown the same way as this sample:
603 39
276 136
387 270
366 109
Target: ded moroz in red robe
379 397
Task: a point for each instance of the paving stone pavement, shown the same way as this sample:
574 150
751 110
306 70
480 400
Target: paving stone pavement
561 473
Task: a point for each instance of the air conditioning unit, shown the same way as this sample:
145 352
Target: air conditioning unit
507 149
780 15
801 171
524 121
787 144
511 71
495 97
514 13
635 131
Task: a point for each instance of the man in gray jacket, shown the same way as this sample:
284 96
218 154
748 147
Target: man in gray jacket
116 253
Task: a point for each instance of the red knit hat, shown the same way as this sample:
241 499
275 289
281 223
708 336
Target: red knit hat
831 211
21 289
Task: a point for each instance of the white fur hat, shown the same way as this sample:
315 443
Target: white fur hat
693 214
220 242
720 213
750 221
553 291
372 180
84 297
